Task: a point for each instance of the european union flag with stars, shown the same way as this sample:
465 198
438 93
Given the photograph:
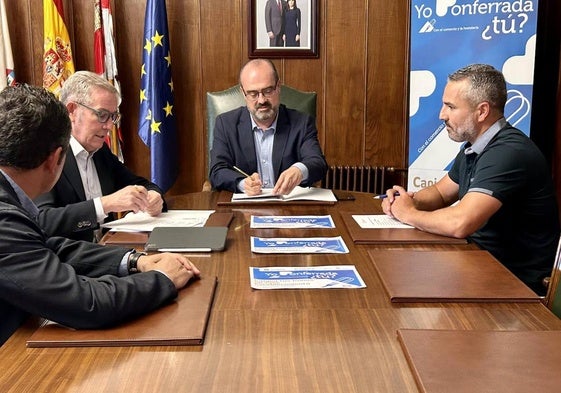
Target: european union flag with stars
156 125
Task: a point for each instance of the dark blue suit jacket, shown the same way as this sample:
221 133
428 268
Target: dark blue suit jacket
70 282
64 211
296 140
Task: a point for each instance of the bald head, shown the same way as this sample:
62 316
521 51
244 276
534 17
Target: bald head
261 67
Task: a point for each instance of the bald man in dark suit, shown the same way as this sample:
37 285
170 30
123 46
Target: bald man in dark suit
278 146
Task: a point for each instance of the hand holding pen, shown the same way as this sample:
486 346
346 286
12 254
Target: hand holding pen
252 183
383 196
390 197
393 192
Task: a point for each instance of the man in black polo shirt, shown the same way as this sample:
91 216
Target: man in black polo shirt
500 181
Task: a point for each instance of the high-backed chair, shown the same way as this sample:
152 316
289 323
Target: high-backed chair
223 101
553 296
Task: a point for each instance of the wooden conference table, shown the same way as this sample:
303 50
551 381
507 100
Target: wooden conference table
337 340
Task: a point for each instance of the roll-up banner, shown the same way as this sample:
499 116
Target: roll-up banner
447 35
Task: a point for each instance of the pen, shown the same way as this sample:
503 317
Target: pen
382 196
240 171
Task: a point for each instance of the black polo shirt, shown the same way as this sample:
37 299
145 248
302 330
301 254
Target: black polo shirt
523 234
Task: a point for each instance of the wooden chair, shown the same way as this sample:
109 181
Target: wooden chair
223 101
553 296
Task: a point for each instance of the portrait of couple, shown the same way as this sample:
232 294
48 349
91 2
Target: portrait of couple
283 25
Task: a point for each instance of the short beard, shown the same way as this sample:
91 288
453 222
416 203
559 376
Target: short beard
463 133
264 116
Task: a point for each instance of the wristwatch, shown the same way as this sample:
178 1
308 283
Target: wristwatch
133 261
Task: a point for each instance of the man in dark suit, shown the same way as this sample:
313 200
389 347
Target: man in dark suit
94 184
78 284
274 21
278 146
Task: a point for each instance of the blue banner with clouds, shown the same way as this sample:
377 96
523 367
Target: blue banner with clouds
447 35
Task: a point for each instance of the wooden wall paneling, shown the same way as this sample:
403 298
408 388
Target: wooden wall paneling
222 34
345 81
387 74
79 18
222 53
37 38
184 25
306 74
23 33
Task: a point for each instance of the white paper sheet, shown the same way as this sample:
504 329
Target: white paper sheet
143 222
379 221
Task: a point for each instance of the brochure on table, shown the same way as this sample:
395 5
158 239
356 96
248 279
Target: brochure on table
143 222
310 277
302 245
292 222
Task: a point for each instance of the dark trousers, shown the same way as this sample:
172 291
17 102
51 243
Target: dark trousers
276 40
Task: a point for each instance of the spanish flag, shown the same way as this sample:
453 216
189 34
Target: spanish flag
57 56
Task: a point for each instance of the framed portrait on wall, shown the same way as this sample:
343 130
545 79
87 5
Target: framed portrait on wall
283 28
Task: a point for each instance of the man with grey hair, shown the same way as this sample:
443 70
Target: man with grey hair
78 284
499 192
94 184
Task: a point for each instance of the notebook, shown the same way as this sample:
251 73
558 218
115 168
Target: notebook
187 239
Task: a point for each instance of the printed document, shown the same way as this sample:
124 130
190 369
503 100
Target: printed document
300 245
144 222
378 221
292 222
310 277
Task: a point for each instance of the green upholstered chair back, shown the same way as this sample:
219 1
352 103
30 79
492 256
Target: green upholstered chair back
223 101
553 296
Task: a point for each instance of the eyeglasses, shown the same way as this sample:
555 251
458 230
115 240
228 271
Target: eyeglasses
266 92
103 115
